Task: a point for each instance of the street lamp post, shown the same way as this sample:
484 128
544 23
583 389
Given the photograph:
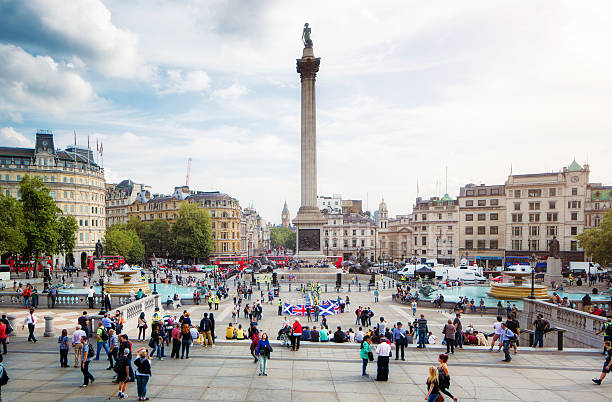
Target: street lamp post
533 262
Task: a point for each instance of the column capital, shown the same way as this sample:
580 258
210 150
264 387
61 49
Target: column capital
308 67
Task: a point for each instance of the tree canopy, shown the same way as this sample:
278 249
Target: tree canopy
597 242
191 235
282 237
12 238
119 240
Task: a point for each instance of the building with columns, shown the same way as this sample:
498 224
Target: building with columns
75 181
482 229
346 235
542 205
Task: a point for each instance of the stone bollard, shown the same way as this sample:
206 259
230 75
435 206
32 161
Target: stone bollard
290 286
11 318
49 326
349 288
384 285
326 288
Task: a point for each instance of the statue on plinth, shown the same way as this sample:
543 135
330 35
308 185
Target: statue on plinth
99 249
306 36
553 248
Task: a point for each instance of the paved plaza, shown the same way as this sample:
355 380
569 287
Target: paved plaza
316 371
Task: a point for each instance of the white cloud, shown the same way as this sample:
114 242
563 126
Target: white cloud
39 83
11 138
232 92
177 81
83 27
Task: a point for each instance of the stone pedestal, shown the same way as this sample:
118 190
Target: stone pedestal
553 271
49 326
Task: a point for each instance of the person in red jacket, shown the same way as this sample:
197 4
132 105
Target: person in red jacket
297 335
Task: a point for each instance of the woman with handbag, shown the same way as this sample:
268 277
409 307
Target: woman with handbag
366 354
142 326
263 351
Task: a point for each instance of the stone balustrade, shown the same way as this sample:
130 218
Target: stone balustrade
62 300
580 326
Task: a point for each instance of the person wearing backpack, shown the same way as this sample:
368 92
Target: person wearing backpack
122 368
102 337
606 328
64 345
87 354
444 376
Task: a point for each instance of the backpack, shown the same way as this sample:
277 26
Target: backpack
608 329
104 335
119 365
443 379
90 350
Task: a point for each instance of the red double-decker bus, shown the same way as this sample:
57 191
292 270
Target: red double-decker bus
280 261
336 260
225 262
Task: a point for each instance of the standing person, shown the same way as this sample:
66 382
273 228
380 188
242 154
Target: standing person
3 335
497 327
449 331
185 340
101 338
254 343
422 329
606 328
433 385
83 321
414 308
176 341
280 307
52 296
87 354
263 351
444 376
383 350
142 326
297 335
211 318
399 338
143 372
113 345
205 329
77 335
64 346
507 337
90 297
30 320
375 295
366 354
514 326
607 363
459 331
539 326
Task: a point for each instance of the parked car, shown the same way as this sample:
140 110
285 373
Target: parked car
71 268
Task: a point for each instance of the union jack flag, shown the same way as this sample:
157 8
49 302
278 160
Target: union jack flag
294 309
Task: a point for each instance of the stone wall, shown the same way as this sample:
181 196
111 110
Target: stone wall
580 326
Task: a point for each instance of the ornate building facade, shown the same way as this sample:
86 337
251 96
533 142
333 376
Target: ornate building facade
119 196
285 217
75 181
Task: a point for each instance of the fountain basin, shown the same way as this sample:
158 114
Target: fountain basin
510 291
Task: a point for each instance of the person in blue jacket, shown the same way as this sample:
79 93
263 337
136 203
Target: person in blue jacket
263 351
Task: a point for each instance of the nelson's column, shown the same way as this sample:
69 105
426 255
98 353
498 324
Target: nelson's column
309 220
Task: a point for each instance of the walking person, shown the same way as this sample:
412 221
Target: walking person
507 337
607 363
30 320
383 350
263 351
64 346
77 335
399 338
497 327
606 328
254 344
123 374
101 337
297 335
459 331
143 372
90 297
433 385
414 308
366 354
444 376
449 331
113 345
87 355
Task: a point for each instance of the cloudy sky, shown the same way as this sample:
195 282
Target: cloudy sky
405 89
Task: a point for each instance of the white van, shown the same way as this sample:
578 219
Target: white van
584 267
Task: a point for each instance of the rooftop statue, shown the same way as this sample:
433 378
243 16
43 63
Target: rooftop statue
306 36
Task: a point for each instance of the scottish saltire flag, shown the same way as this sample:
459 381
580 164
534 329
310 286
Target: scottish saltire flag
329 309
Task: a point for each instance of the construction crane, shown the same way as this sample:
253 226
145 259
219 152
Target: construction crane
188 172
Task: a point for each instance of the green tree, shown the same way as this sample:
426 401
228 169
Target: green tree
12 238
40 219
282 237
191 235
156 237
67 227
138 226
597 242
119 240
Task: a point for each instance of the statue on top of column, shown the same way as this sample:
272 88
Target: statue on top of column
306 36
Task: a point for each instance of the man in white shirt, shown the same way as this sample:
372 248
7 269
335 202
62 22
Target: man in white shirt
30 321
78 345
90 296
498 332
359 335
383 350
